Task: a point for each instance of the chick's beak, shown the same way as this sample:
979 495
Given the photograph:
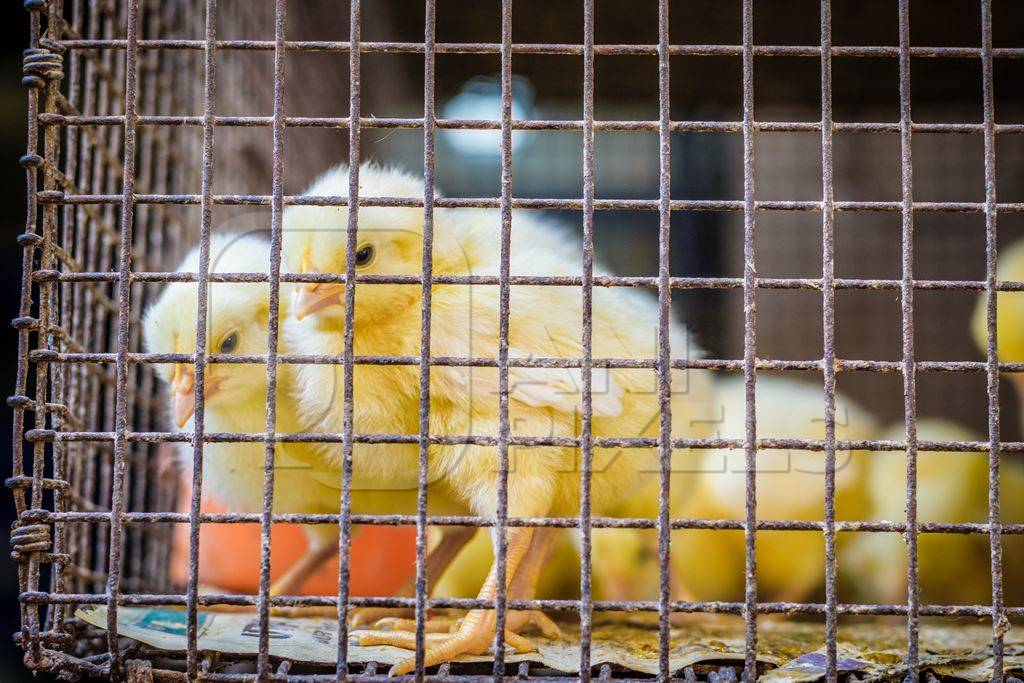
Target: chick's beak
311 297
183 390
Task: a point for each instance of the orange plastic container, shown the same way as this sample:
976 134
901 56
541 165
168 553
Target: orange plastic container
382 558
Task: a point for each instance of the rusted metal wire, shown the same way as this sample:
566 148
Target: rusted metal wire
51 119
426 293
750 352
586 608
554 48
909 371
348 425
828 312
664 366
504 427
123 321
1000 622
58 197
106 160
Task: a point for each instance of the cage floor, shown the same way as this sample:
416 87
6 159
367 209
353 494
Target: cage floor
787 650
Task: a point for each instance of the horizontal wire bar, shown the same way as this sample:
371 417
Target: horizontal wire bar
708 126
49 356
520 440
720 607
60 198
532 280
547 48
532 522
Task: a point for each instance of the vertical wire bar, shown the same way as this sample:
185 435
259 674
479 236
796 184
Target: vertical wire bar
64 384
46 377
29 613
1000 624
586 440
828 335
146 378
664 364
89 169
113 68
749 350
263 668
121 365
74 215
501 551
909 367
429 20
202 287
348 358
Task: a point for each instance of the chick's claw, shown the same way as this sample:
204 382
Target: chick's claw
438 625
518 620
365 616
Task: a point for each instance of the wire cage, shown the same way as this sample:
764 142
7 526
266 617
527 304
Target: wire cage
125 97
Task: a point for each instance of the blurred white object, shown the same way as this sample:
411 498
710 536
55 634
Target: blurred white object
480 98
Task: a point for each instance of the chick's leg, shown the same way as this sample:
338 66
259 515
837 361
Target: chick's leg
523 586
476 631
452 540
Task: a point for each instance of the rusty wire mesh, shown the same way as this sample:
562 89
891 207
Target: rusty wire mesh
108 187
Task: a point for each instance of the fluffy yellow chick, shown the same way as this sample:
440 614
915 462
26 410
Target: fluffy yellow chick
951 488
235 401
709 564
545 321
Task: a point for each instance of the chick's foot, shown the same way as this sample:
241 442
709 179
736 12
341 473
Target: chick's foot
474 636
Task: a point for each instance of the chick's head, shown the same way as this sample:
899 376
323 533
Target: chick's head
389 241
1009 317
237 317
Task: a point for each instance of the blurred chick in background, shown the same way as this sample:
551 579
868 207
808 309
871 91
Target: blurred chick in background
1009 319
952 487
235 396
709 564
545 321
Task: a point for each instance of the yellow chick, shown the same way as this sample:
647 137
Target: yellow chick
544 322
708 565
952 487
235 396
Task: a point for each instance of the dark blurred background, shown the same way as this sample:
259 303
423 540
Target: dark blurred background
704 165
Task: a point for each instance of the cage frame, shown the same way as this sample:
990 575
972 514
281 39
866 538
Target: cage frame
52 199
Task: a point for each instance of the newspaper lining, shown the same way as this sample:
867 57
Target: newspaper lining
794 651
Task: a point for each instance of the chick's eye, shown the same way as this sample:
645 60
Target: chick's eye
364 255
230 343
